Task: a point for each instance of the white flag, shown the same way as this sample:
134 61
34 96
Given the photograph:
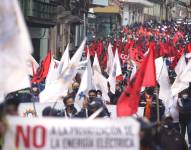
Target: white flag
165 93
53 72
116 71
101 84
60 87
85 86
134 69
15 48
96 65
186 75
109 59
32 65
64 60
118 64
179 85
158 65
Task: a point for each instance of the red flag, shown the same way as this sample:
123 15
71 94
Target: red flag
86 50
176 58
114 46
150 70
129 100
100 48
92 48
104 60
189 48
43 69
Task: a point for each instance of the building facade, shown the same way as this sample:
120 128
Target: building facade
105 21
178 9
133 11
53 24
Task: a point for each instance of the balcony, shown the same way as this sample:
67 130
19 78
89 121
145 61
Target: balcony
39 13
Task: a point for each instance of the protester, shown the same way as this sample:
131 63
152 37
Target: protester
50 112
184 107
92 104
70 111
114 97
147 135
90 108
35 92
169 138
99 94
149 100
11 104
78 78
75 87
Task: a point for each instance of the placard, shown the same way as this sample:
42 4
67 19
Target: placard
58 134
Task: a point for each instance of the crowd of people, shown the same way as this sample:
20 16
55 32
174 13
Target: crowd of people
163 131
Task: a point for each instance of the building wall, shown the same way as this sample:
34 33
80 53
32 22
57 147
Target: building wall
135 13
153 12
39 37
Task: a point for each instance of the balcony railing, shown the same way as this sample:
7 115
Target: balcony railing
39 11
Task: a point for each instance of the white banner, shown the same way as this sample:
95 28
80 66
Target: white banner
59 134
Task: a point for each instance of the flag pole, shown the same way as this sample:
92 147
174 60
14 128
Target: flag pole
52 108
34 108
157 104
157 96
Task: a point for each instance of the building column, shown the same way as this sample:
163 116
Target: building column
125 15
53 39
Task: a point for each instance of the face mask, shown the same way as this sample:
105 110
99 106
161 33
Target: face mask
185 96
98 96
91 99
71 107
75 90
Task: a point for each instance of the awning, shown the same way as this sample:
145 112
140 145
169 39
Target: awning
142 2
108 9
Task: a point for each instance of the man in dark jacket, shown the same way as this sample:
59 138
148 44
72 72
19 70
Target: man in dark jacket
114 97
91 105
184 108
70 111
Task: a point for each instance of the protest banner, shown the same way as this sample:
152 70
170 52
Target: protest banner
59 134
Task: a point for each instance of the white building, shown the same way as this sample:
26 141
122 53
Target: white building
133 10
